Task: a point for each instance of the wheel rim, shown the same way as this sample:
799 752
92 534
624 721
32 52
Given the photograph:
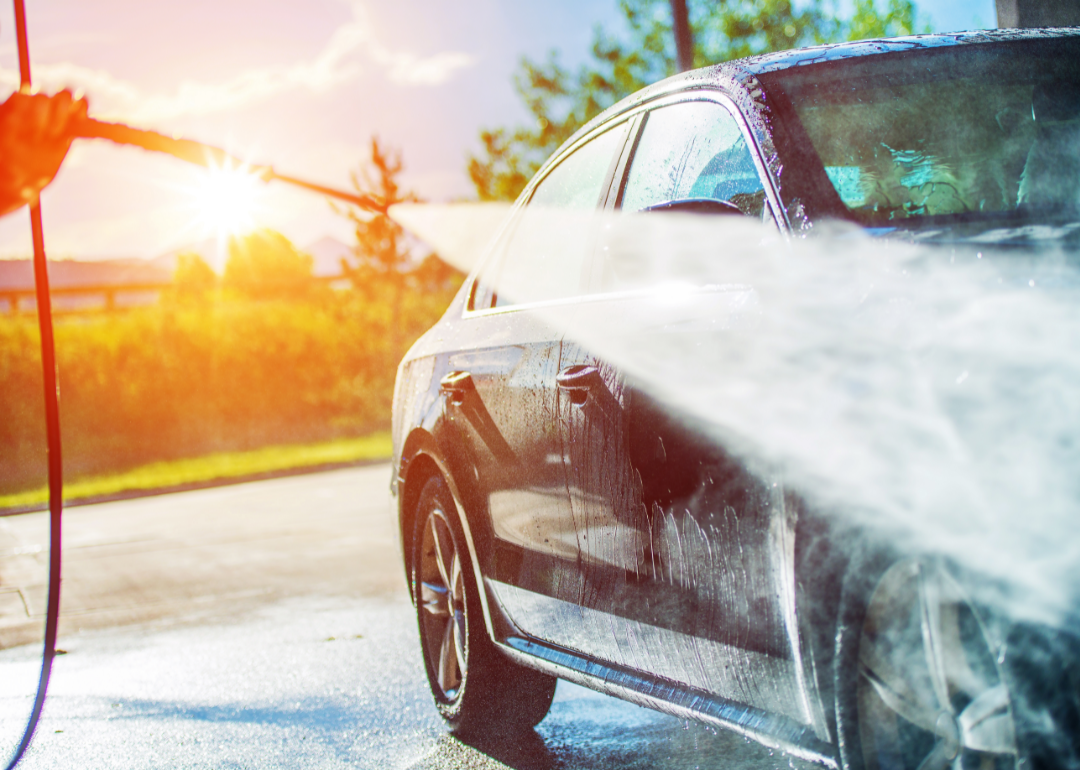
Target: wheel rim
442 605
930 692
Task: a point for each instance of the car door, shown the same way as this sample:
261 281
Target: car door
686 554
500 385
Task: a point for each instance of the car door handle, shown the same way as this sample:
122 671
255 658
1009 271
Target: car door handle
578 376
455 385
578 380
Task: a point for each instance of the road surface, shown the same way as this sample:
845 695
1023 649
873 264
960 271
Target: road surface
266 625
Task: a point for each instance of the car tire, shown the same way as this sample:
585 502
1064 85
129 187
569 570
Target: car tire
918 678
477 689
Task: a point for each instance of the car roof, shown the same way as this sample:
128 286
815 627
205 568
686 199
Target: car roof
741 74
773 62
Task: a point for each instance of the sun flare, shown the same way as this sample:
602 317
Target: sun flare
227 201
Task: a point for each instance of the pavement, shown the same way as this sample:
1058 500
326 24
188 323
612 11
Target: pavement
207 553
266 625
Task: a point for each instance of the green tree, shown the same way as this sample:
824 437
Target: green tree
391 269
561 101
384 252
897 19
265 264
192 277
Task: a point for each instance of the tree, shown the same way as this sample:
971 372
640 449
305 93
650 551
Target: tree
561 101
388 259
392 269
192 277
384 252
265 264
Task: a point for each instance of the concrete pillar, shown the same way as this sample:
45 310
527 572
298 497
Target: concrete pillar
1038 13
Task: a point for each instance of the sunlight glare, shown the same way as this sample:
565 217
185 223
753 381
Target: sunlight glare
227 200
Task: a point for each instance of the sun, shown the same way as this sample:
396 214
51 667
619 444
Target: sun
227 201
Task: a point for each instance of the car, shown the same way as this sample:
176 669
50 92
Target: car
560 520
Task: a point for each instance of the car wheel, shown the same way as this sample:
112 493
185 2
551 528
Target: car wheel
477 689
919 685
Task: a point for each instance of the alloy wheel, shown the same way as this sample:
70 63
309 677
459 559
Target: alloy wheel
442 604
929 690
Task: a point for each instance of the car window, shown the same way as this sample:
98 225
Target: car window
693 150
544 255
944 134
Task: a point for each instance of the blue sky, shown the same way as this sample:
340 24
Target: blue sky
301 86
949 16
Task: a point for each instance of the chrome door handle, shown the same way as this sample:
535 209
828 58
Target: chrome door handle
578 380
579 376
456 385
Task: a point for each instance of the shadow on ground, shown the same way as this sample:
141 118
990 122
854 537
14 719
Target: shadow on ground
585 730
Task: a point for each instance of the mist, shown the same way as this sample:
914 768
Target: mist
927 394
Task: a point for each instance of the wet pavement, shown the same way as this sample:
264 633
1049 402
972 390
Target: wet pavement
287 677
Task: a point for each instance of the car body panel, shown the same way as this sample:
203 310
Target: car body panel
618 548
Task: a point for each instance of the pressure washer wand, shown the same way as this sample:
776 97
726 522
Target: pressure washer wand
209 156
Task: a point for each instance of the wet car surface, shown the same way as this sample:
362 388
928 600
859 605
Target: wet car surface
558 519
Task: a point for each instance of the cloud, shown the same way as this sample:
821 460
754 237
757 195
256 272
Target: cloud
407 69
347 53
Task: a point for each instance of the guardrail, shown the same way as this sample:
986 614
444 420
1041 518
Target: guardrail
22 300
15 297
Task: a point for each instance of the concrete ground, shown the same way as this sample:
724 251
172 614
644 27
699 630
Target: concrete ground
266 625
193 556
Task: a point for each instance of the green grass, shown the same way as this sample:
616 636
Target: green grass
215 467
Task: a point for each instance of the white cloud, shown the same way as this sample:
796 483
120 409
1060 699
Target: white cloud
342 59
405 67
408 69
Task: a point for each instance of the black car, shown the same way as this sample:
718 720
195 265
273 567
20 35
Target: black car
559 521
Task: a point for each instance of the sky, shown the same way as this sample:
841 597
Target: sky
303 86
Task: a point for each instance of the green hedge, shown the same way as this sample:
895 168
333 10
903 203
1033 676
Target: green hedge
215 373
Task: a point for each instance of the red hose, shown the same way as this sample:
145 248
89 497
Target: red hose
52 423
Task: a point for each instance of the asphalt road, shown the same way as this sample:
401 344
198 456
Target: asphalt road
266 625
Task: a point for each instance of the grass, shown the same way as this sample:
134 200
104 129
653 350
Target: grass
214 467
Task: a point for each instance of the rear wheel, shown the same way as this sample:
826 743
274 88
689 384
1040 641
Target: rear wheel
922 688
477 689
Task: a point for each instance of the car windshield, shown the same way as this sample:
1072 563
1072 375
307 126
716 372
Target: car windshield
966 132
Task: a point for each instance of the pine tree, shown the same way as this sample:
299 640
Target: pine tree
384 252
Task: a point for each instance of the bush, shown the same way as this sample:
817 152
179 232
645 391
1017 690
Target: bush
265 264
184 378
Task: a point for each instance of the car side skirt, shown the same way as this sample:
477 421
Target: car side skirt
772 730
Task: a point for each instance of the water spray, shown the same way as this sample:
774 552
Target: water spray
923 393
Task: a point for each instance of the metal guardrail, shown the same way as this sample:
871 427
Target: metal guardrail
109 292
14 297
